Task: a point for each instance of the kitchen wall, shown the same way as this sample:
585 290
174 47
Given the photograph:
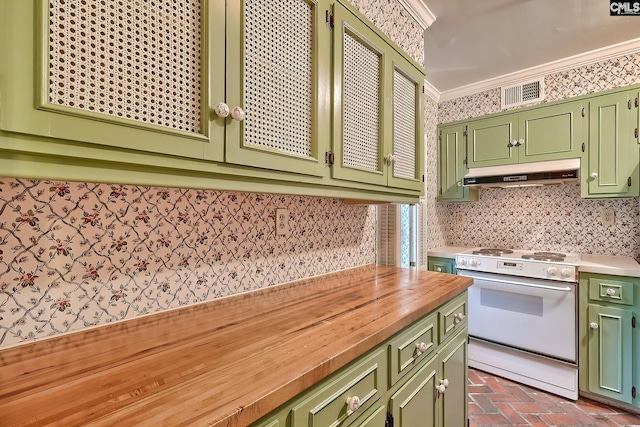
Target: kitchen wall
549 218
75 255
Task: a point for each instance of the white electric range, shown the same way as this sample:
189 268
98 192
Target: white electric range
522 316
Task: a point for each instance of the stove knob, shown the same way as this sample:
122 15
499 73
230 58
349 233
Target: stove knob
463 261
552 271
566 273
474 262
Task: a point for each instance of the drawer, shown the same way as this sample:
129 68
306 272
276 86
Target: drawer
611 291
452 317
441 265
375 418
327 406
411 346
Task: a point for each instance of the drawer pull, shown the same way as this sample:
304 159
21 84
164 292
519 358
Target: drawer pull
442 387
353 403
459 317
421 347
593 325
611 292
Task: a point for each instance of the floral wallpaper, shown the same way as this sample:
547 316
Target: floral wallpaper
74 255
552 217
392 18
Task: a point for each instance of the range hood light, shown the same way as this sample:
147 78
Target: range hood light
524 174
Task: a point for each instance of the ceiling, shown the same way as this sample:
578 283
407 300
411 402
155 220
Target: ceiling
475 40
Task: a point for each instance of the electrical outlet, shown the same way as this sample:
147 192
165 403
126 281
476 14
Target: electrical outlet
607 216
282 222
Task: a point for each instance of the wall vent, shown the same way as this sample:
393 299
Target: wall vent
522 94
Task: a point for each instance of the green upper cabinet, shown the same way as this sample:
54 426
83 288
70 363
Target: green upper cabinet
377 107
545 133
277 60
609 168
117 74
493 141
452 159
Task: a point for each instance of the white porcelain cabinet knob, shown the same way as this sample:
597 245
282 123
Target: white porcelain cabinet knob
593 175
611 292
459 183
353 403
238 114
221 109
513 143
459 317
521 142
421 347
593 325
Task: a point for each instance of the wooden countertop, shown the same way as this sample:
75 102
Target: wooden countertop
222 363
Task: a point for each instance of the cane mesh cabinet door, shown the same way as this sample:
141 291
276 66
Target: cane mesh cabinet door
406 156
377 107
278 56
133 75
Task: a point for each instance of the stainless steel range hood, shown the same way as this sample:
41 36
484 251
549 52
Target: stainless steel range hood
524 174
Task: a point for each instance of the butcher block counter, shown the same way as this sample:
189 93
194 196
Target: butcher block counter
223 363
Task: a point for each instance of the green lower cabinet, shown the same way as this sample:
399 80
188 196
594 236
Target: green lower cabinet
610 352
414 404
453 365
376 417
441 265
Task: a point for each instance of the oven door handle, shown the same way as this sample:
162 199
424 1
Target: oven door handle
531 285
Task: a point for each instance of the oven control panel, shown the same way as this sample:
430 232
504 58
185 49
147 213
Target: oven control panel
563 272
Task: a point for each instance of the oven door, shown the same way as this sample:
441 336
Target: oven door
529 314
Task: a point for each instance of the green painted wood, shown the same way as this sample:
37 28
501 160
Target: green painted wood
441 265
377 418
327 407
550 133
453 367
414 403
452 155
489 141
612 290
613 152
347 22
452 317
417 77
610 352
404 354
25 46
237 151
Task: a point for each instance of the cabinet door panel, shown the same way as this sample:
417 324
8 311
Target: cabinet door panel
408 146
490 140
613 153
452 153
610 352
274 71
358 100
130 85
453 365
414 404
550 133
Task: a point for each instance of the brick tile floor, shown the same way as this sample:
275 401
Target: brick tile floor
495 401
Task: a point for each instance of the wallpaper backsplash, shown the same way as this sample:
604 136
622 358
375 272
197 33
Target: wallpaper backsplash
549 218
74 255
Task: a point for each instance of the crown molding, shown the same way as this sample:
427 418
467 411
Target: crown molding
431 91
587 58
419 11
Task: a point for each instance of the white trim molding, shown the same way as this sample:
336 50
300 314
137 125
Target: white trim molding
517 77
419 11
431 91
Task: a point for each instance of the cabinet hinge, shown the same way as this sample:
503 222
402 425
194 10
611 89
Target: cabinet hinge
440 136
637 102
583 147
441 191
629 182
422 177
633 322
633 392
464 162
328 16
329 158
636 133
465 131
389 421
582 112
629 104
